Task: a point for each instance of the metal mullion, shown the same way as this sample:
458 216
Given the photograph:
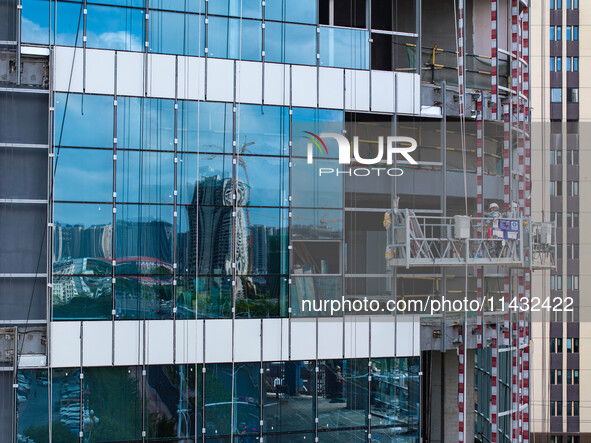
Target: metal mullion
114 207
206 49
175 207
289 223
235 159
19 14
15 384
146 45
84 13
264 31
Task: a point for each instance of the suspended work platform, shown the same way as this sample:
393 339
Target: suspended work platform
463 240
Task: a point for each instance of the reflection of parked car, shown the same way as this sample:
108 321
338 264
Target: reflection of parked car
43 380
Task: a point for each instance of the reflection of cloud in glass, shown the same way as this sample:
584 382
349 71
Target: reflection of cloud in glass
32 32
115 40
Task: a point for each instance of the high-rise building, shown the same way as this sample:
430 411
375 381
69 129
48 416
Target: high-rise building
233 220
560 367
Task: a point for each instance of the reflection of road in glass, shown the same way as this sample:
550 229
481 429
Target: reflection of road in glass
31 402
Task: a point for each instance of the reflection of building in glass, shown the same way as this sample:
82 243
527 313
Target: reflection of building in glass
80 241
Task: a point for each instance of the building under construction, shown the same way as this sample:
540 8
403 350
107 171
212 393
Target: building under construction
182 180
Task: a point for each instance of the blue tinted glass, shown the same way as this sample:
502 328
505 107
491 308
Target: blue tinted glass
575 64
301 11
234 38
82 297
552 64
88 120
264 249
559 4
176 5
263 130
262 296
144 239
568 33
559 63
83 175
262 181
559 33
314 290
344 48
568 63
196 174
552 28
82 237
316 121
218 399
247 400
115 28
175 33
146 177
32 413
35 21
114 394
205 127
69 24
575 33
324 191
130 3
316 224
288 43
236 8
145 123
214 297
141 297
214 237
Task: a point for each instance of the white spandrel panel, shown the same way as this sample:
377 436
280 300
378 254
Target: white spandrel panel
68 66
128 343
304 86
97 343
218 341
65 344
249 82
161 75
189 341
382 91
330 338
276 84
408 340
303 339
159 342
408 94
100 71
191 72
356 90
220 80
273 340
247 340
382 336
356 337
331 88
130 73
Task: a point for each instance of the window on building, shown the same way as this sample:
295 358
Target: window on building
572 345
556 377
556 188
572 315
575 64
558 64
572 282
572 188
556 217
572 95
572 251
555 157
556 408
572 219
569 61
572 377
556 95
575 33
555 345
572 408
552 64
347 13
572 157
555 4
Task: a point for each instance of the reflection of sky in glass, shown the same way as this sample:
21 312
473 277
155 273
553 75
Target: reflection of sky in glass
82 214
115 28
176 33
301 11
83 175
205 127
237 8
289 43
88 120
262 129
344 48
267 178
35 21
234 38
146 176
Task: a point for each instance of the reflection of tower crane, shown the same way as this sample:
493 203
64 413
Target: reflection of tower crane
324 222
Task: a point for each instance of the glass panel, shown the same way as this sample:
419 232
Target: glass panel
146 177
342 393
344 48
247 400
218 399
213 238
35 21
78 297
145 123
82 239
395 392
366 239
316 224
170 401
262 181
174 5
173 33
205 127
261 296
130 3
69 24
114 394
143 297
263 130
316 257
214 297
144 239
85 121
115 28
234 38
83 175
324 191
65 389
266 241
317 121
288 403
203 178
349 435
31 407
302 11
237 8
288 43
309 293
